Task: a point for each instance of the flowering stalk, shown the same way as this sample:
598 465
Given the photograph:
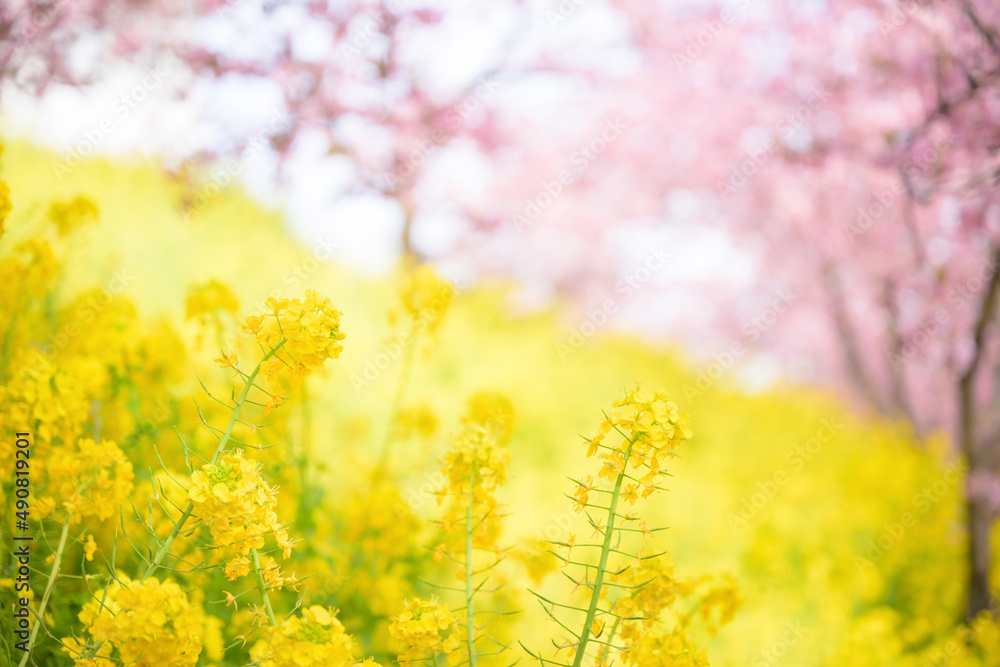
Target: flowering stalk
262 587
53 575
474 467
164 549
648 428
602 567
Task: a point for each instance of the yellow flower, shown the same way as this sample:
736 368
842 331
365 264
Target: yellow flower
38 395
474 467
317 639
425 298
416 421
652 586
207 298
310 328
653 429
90 548
594 443
148 623
71 215
425 628
629 494
659 648
582 493
253 324
719 604
237 567
228 361
236 504
492 410
317 614
91 480
77 648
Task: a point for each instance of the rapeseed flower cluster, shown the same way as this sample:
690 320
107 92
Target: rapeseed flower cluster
425 298
662 647
316 639
651 590
631 596
144 623
308 331
208 298
40 396
652 587
238 506
717 601
650 427
70 215
426 628
473 469
91 480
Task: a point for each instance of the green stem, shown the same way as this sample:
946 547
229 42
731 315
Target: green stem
53 575
262 588
611 638
595 596
164 549
470 613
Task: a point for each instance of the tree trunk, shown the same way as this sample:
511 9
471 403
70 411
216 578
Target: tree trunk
979 522
979 456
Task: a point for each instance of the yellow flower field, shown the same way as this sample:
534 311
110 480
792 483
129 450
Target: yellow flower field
243 454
